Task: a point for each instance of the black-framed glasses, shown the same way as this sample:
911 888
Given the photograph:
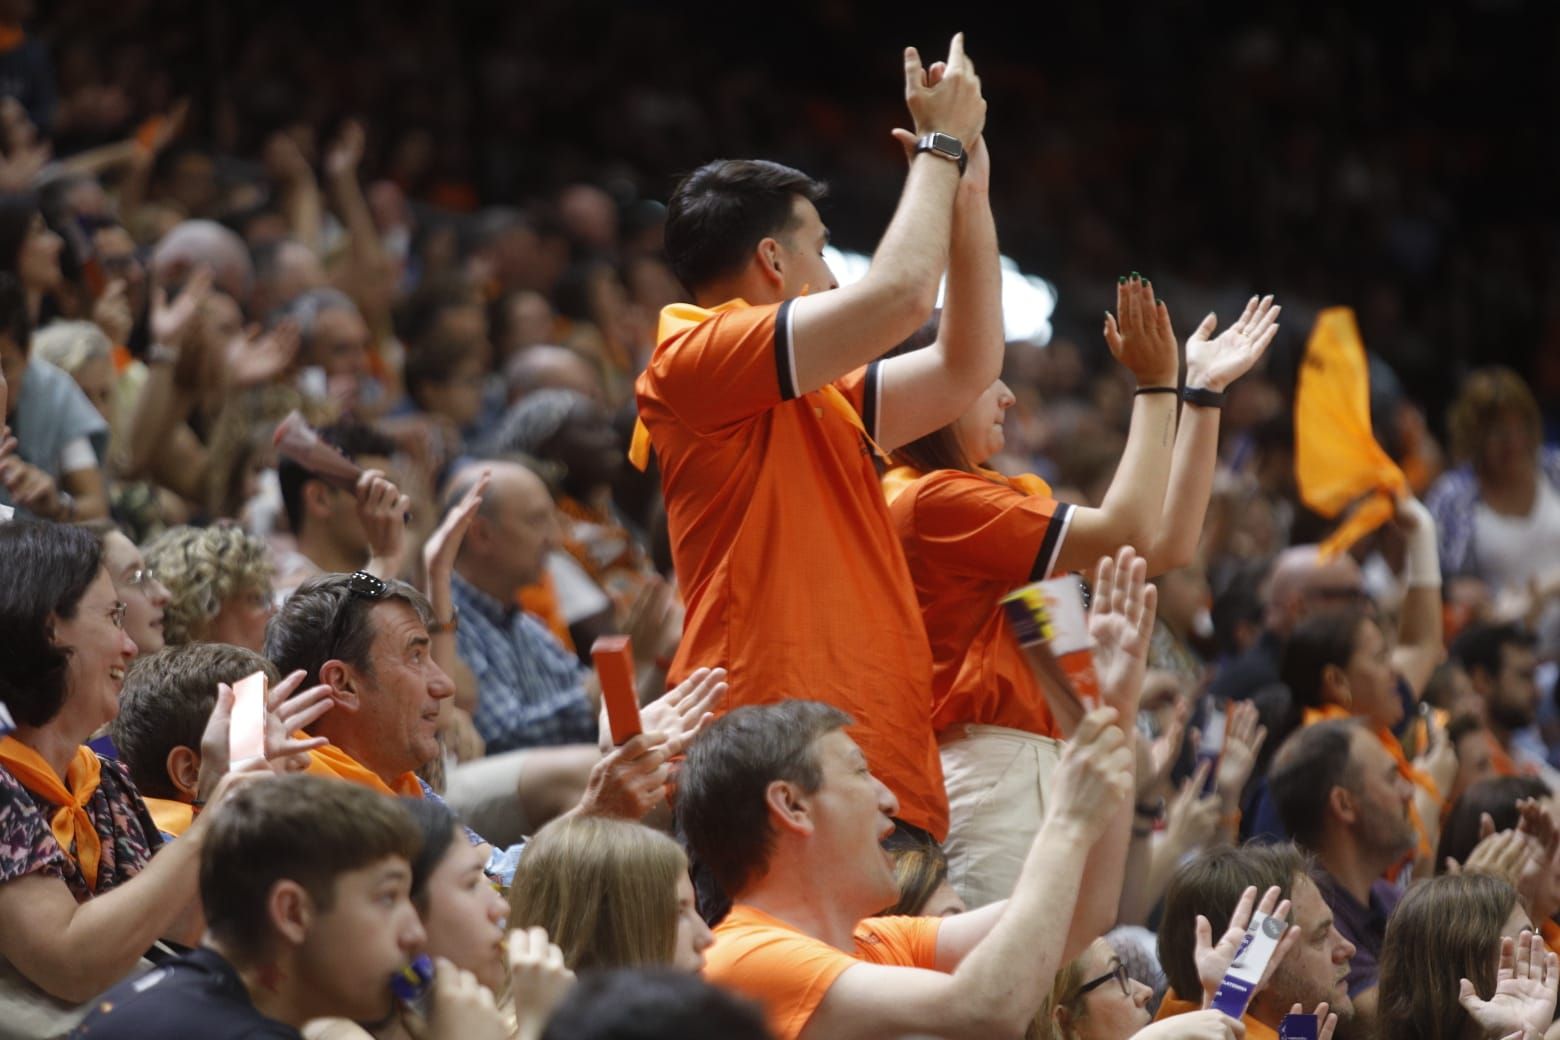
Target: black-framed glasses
1119 973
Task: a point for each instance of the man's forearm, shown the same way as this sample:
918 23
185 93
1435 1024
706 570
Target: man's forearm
971 336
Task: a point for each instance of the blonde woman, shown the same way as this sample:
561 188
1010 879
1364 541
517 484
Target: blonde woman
219 583
611 894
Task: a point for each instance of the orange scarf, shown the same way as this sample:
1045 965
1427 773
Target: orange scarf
330 760
71 825
170 816
1418 777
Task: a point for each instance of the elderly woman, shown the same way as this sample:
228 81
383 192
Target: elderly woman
81 895
83 352
219 585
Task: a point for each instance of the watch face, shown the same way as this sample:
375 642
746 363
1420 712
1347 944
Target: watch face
947 144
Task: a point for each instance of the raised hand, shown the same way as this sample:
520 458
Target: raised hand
1139 334
1214 959
1243 737
654 623
382 509
683 711
346 151
256 358
287 716
538 978
630 780
1157 760
1192 818
1213 364
443 545
1094 777
172 324
1327 1021
1527 981
952 103
1121 622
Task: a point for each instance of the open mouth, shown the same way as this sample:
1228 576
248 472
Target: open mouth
117 674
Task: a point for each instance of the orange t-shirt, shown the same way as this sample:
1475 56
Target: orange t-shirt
793 577
788 972
970 541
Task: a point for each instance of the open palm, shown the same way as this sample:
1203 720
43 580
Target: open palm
1526 984
1121 620
1214 363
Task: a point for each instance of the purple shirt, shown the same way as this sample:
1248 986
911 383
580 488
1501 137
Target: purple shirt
1364 926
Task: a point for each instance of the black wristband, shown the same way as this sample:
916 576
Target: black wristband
1203 397
1155 390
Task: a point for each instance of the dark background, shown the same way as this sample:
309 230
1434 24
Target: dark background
1397 160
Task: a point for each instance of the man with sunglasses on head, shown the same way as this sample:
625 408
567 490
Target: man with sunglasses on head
368 639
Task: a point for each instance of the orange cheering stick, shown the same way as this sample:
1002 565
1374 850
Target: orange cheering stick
614 660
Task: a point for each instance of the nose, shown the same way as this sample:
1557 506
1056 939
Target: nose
127 648
1344 952
886 800
440 685
498 907
1140 993
1005 398
703 938
159 596
412 937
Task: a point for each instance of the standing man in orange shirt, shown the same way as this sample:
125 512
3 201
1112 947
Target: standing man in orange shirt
765 402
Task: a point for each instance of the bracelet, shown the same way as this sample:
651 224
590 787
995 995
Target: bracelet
1155 390
1203 397
438 628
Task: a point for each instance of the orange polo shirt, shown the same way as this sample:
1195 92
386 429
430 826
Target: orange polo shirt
793 578
969 541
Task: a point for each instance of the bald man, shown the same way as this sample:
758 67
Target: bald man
552 368
1298 584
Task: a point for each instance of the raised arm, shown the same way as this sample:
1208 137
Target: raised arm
927 389
1014 949
1420 647
1140 337
841 330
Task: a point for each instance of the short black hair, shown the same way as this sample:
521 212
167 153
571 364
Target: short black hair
301 828
436 824
1320 640
352 439
1483 645
722 210
1306 769
653 1004
167 700
325 620
722 810
433 361
47 569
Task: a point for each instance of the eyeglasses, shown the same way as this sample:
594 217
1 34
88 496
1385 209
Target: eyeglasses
1119 973
140 577
118 614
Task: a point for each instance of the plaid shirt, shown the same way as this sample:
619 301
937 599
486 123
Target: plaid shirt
529 687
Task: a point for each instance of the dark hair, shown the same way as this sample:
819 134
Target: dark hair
325 620
1446 929
722 210
722 810
17 210
653 1004
434 360
1305 770
47 569
436 824
1483 645
1320 640
352 439
15 319
1498 796
167 700
301 828
1211 885
939 449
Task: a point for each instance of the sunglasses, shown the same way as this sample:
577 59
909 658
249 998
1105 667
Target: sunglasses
360 585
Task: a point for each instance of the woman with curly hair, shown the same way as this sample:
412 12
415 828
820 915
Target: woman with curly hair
219 581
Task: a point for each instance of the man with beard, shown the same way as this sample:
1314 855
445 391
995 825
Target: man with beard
1500 662
1343 799
1315 969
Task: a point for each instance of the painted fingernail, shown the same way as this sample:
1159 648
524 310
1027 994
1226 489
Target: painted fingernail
1160 302
1122 280
1136 276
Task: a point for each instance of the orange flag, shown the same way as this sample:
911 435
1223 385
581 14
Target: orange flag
1337 459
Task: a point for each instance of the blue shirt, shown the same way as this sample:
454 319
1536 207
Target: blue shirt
529 686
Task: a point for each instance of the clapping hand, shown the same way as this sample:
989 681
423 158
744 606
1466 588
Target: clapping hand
1213 364
1094 777
1121 622
1527 980
1243 738
1139 334
1214 959
949 102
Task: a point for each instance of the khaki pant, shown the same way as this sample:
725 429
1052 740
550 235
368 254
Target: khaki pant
997 780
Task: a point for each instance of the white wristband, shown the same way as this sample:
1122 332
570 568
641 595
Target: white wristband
1422 562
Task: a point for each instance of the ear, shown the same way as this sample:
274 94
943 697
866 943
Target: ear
342 679
1061 1017
183 766
1335 685
316 498
290 911
768 255
788 807
1340 802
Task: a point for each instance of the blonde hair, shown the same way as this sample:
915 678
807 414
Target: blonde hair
605 890
1064 993
204 567
71 344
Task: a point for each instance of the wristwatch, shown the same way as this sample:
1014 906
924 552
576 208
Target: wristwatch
945 145
437 627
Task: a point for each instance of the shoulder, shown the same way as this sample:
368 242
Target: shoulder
909 942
